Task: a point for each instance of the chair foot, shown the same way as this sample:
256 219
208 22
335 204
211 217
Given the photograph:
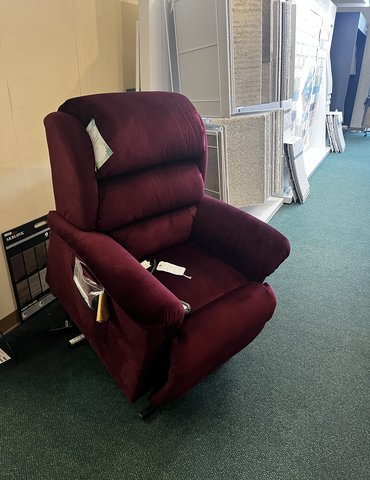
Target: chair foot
149 410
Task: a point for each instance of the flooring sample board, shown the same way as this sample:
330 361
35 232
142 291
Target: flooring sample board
334 127
249 165
246 51
294 152
247 156
216 183
278 154
285 50
266 87
276 50
267 27
293 24
267 22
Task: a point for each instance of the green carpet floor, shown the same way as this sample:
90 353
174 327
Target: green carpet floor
293 405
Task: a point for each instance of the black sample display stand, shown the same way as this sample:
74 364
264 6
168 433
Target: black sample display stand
26 250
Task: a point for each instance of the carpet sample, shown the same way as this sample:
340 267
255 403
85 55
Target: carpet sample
247 51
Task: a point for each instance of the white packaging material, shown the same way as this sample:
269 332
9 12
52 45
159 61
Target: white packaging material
88 288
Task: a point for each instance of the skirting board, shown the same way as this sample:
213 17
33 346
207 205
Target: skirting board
313 157
264 211
9 322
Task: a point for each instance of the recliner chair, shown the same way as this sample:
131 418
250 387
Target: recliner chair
147 201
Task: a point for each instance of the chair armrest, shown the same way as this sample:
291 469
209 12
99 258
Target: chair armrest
126 282
251 246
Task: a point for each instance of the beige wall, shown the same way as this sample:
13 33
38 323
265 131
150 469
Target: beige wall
50 50
129 19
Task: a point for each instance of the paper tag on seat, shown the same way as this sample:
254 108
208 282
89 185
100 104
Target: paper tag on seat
102 151
146 264
171 268
4 357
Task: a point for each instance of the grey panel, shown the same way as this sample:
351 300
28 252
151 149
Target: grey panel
202 43
266 30
199 74
266 89
213 174
191 31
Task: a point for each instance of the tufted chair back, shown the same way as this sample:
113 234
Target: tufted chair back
146 193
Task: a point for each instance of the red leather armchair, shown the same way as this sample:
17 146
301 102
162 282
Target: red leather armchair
147 202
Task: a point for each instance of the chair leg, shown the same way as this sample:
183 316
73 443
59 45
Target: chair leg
149 410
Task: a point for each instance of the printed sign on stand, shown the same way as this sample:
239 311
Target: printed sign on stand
26 250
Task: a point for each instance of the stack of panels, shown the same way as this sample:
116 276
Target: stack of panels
262 58
252 158
231 54
294 154
335 131
283 50
366 117
216 177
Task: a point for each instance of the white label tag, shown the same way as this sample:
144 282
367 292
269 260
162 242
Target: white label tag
77 339
171 268
102 151
146 264
4 357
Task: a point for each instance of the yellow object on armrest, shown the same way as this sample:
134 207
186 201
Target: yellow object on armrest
102 314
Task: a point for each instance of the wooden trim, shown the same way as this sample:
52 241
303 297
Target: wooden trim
9 322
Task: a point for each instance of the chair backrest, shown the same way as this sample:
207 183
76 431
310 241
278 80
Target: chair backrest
145 195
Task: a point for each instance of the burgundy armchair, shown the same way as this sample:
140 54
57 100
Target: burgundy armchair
147 202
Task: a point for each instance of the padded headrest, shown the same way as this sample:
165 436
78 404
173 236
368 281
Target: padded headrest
143 129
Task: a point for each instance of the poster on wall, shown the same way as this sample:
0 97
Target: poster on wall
313 36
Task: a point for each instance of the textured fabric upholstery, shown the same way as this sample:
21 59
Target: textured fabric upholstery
128 199
73 173
213 334
211 277
135 290
147 201
253 247
154 234
158 129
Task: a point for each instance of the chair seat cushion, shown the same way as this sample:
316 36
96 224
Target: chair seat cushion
211 277
228 312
